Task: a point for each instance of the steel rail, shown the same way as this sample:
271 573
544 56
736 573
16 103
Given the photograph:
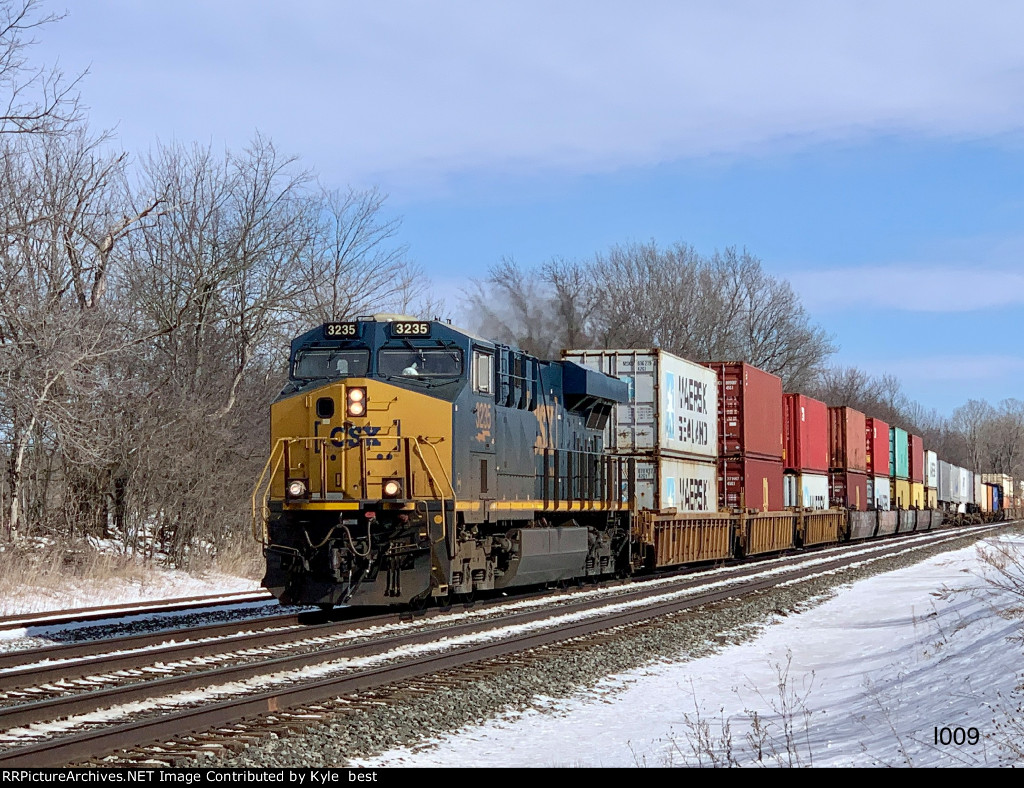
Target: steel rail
57 617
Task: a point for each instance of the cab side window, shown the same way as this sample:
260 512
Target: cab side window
483 372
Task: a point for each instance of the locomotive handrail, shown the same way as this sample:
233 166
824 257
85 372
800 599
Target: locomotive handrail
444 517
259 519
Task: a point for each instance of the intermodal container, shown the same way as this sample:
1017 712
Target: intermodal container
805 431
916 458
849 489
931 469
917 495
878 492
983 494
749 412
672 407
899 455
900 494
1004 481
931 497
876 447
949 481
750 483
847 432
662 483
806 490
966 486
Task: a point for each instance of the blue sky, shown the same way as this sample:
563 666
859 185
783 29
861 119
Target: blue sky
869 152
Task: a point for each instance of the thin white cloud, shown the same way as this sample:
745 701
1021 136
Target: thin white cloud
910 288
367 89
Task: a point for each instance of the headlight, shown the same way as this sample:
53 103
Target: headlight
392 488
296 488
356 402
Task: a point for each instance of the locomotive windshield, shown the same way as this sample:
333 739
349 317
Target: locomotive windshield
420 362
330 363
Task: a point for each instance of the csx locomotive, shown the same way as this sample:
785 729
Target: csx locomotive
412 460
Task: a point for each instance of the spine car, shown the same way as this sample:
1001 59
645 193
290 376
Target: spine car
413 461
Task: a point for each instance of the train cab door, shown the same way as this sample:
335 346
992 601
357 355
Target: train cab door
481 480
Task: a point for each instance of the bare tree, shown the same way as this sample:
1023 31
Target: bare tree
516 306
970 420
639 295
33 99
356 266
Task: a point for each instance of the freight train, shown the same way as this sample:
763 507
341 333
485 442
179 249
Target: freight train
412 461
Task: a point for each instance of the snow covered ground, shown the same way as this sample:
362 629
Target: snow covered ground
913 668
141 587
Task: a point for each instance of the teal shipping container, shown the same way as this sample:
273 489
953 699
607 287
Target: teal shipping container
899 454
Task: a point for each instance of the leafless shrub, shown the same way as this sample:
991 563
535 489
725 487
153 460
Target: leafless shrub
776 735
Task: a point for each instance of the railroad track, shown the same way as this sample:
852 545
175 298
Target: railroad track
305 670
104 612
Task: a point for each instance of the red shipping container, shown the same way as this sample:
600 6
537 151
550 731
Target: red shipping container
749 483
916 450
805 431
876 433
846 438
848 490
749 411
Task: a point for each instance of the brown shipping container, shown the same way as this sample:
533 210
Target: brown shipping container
805 433
749 412
876 447
749 483
847 439
916 458
849 490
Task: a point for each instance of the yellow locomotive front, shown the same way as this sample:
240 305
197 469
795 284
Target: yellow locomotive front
357 493
412 460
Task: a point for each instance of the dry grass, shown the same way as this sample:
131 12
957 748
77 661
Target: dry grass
41 575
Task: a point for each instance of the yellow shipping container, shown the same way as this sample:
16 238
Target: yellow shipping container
917 495
931 497
900 497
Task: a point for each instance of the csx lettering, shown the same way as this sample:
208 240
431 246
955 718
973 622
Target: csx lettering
354 434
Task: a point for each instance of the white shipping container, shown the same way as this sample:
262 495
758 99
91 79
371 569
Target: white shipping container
979 492
931 469
673 403
878 492
805 490
669 483
966 489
